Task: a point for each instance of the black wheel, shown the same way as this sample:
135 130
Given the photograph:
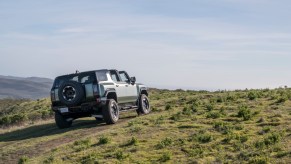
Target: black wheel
61 121
144 105
71 93
111 112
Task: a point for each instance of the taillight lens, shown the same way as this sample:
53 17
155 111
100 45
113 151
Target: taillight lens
53 96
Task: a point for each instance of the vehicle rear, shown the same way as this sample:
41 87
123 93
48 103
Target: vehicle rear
75 94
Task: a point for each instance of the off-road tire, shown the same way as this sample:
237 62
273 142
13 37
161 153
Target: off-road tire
144 105
110 112
61 121
78 90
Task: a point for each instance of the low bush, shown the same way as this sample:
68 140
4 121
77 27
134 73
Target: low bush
82 144
166 156
213 115
103 140
168 107
209 107
176 117
252 95
133 141
120 155
23 160
164 143
244 113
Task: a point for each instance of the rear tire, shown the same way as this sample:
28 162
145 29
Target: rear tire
71 93
61 121
144 105
110 112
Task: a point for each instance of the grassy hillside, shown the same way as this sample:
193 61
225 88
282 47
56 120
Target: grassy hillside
184 127
19 112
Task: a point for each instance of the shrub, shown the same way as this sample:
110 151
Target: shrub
213 115
34 116
168 107
269 140
133 141
82 144
195 151
18 118
120 155
223 127
90 159
220 99
164 143
194 108
187 111
177 116
282 99
23 160
259 160
266 129
166 156
231 97
49 160
272 139
209 107
6 120
243 139
252 95
204 138
103 140
244 113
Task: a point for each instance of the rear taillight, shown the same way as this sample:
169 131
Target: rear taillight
53 96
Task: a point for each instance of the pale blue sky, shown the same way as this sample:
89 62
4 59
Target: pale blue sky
189 44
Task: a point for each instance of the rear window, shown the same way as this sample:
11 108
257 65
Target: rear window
84 78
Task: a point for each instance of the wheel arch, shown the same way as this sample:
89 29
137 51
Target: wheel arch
111 94
144 90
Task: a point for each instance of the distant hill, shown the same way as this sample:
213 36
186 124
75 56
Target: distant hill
20 87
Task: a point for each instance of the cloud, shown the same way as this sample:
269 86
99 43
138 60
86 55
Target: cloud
160 48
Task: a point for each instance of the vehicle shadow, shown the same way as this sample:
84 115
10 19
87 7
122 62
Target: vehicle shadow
50 129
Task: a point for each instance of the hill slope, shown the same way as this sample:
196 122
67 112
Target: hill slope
184 127
30 88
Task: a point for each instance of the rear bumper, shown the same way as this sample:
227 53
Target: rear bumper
83 108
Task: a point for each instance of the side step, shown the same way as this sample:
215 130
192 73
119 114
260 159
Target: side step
128 108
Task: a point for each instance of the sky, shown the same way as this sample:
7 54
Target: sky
187 44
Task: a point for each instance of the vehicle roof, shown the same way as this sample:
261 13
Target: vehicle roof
72 74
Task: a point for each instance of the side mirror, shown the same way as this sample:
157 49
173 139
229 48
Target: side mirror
132 80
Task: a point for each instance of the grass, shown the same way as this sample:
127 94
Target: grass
243 126
19 112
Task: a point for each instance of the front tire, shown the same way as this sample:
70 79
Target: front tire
144 105
61 121
111 112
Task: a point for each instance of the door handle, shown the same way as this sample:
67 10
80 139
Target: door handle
117 85
126 85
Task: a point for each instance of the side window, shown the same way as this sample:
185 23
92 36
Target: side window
123 77
114 76
101 76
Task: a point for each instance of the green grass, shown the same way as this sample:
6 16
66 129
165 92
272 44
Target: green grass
243 126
